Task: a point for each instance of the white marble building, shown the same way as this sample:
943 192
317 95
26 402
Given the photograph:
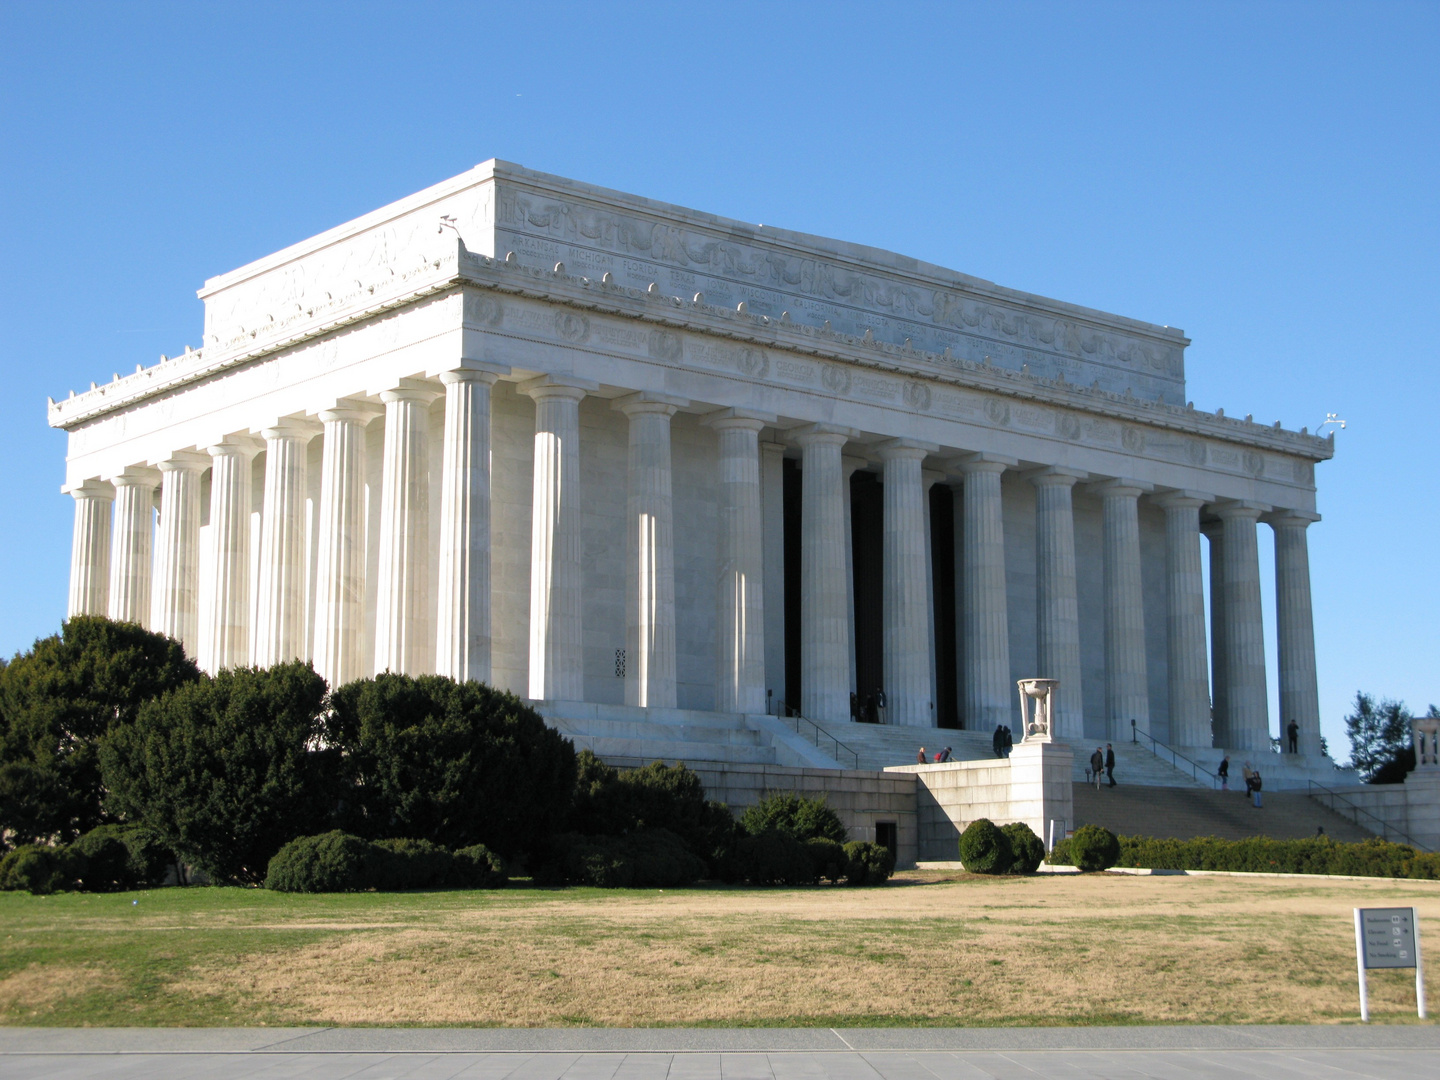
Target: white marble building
595 448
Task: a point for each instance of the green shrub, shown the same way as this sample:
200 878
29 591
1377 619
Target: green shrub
331 862
1027 850
794 816
106 865
1094 848
773 858
40 869
827 860
984 849
661 860
647 858
403 863
1259 854
867 863
477 867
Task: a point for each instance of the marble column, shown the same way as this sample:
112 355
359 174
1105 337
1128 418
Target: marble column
989 692
341 554
1299 695
772 525
557 671
650 553
1127 691
402 631
1248 712
1057 605
824 618
906 618
739 590
849 466
928 479
463 633
175 605
132 534
280 598
90 548
228 640
1214 532
1186 671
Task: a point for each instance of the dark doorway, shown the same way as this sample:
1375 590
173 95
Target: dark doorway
791 486
887 834
867 539
942 561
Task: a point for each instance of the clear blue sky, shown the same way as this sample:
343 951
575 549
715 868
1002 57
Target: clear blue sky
1262 175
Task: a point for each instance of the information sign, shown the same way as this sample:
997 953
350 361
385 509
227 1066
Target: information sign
1388 938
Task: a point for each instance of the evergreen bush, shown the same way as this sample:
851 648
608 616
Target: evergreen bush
40 869
1027 849
1093 847
984 849
795 816
828 860
867 863
330 862
774 858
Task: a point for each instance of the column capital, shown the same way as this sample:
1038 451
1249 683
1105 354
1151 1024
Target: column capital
931 477
905 449
981 462
1056 476
1131 489
411 390
356 409
1241 510
93 488
821 435
850 464
468 370
1295 519
137 476
558 386
291 427
774 449
744 419
184 461
246 446
1182 498
646 402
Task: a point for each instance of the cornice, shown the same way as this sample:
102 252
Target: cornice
451 266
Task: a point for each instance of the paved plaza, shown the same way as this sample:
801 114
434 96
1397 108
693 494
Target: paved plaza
713 1054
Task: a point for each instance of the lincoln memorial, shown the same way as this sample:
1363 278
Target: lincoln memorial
645 465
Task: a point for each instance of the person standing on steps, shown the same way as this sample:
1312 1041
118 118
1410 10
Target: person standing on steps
1110 763
1255 791
1006 742
1224 773
1097 766
997 741
920 757
1294 732
1249 774
880 705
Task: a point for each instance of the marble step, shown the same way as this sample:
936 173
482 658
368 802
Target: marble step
608 748
1182 813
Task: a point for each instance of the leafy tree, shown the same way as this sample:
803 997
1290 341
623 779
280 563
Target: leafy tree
226 770
454 763
56 703
618 802
1379 735
794 816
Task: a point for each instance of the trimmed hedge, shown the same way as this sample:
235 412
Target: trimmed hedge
867 863
1315 855
794 815
1026 849
108 858
339 862
984 849
646 858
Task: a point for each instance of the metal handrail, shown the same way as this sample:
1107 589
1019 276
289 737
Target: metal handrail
1385 827
816 731
1175 757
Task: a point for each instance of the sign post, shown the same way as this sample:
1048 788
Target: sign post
1388 938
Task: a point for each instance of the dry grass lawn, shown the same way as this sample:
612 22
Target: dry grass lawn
928 949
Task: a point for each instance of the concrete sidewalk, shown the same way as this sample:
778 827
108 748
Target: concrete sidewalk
1339 1052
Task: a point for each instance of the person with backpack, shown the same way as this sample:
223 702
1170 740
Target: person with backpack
1097 767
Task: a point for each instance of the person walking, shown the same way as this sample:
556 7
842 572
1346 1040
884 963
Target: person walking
1006 742
1224 773
1249 774
945 754
997 741
1294 732
1097 767
1255 791
1110 763
920 757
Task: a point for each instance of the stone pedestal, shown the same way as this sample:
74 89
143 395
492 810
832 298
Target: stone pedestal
1042 786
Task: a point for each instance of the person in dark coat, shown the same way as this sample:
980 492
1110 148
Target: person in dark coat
997 741
880 705
1110 763
1294 732
1255 791
1006 741
1224 773
1097 766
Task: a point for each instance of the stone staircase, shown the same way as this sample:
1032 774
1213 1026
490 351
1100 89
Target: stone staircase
1136 766
878 745
1185 812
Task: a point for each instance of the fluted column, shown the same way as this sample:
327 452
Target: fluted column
1057 605
849 466
1214 532
132 534
463 634
928 479
650 551
340 558
280 599
557 671
175 605
906 617
984 607
1299 695
1249 710
90 548
824 619
1189 690
402 633
1127 692
739 590
228 640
